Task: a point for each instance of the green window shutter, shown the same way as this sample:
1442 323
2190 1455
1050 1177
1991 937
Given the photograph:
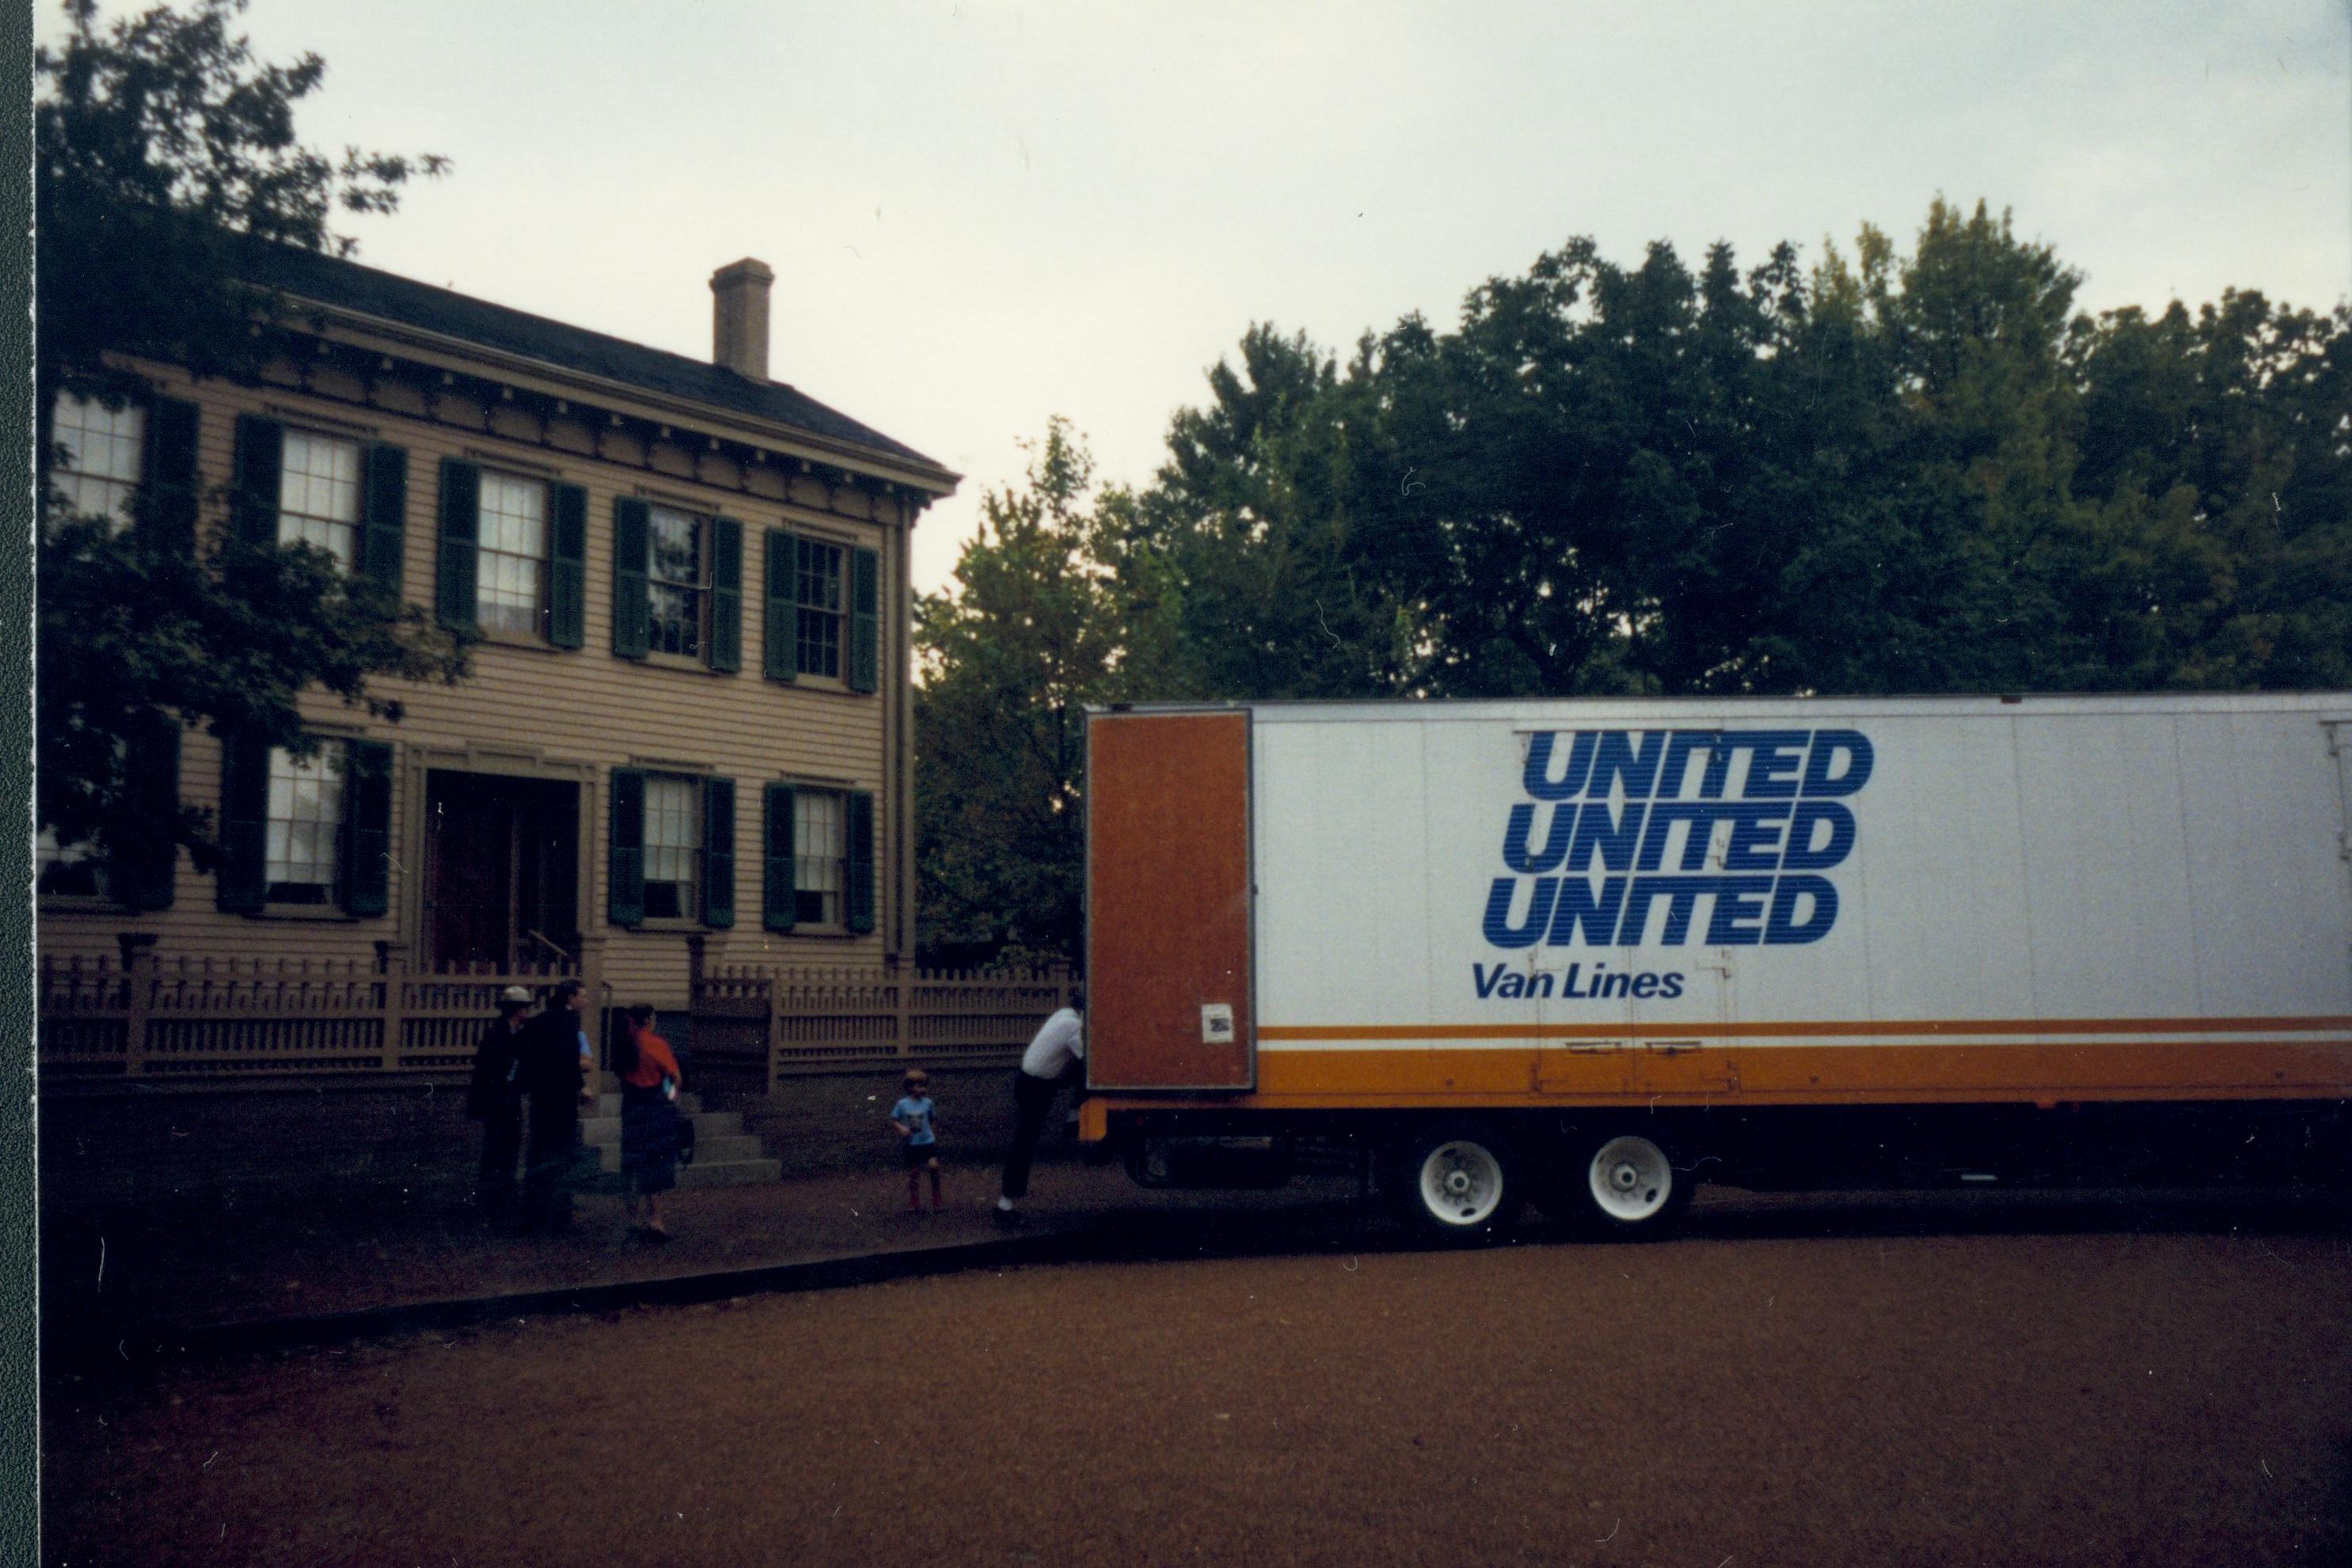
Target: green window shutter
625 891
567 606
141 872
632 630
383 516
864 620
367 841
779 642
454 581
718 853
726 594
260 446
778 891
170 487
857 899
241 886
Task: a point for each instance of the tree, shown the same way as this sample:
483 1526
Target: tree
163 153
1032 631
1250 548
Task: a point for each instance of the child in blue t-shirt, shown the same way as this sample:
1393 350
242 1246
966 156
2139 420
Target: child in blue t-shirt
913 1119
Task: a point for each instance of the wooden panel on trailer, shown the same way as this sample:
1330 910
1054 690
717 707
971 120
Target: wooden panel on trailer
1168 902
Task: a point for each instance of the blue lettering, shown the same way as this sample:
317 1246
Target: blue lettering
1680 747
1803 853
1755 836
1620 759
1783 929
1484 981
1521 834
1538 780
1664 818
1827 745
1500 932
1614 837
1672 985
1579 908
1738 899
1776 757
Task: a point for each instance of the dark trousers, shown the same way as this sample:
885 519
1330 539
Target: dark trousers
501 1143
547 1165
1032 1099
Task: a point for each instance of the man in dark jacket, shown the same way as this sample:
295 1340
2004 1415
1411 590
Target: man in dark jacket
494 1099
554 1049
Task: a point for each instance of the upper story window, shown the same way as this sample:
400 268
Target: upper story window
677 581
510 575
673 846
818 593
820 857
98 471
302 857
318 495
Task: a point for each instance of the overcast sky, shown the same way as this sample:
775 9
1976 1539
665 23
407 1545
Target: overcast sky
984 213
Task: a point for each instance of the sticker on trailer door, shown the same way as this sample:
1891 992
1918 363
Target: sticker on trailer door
1670 838
1217 1024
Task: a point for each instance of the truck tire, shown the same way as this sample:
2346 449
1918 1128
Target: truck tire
1618 1181
1459 1183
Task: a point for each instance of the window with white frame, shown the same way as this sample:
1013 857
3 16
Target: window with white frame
98 471
673 846
677 581
820 857
510 576
303 846
318 495
817 579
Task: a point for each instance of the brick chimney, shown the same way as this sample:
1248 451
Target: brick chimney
738 318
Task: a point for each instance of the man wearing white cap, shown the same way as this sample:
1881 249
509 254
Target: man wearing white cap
494 1099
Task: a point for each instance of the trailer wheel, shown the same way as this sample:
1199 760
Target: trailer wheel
1458 1183
1625 1185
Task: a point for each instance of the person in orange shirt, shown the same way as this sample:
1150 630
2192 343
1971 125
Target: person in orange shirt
650 1123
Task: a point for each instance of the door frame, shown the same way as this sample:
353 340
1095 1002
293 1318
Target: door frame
510 762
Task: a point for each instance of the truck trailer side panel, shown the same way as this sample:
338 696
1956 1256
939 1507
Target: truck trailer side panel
1559 904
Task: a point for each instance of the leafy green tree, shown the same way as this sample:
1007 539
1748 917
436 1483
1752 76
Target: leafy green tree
164 151
1034 630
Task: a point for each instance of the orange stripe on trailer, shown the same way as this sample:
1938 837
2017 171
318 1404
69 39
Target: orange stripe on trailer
1533 1031
1862 1072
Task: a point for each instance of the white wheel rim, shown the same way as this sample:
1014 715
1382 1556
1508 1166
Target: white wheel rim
1631 1179
1461 1183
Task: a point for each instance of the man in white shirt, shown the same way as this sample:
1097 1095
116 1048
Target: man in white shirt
1056 1055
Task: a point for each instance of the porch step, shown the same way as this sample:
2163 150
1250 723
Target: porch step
688 1104
602 1129
719 1141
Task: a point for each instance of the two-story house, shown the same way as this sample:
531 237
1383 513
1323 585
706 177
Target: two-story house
689 707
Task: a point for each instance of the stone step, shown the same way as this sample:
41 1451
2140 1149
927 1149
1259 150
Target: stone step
732 1146
688 1103
729 1173
603 1130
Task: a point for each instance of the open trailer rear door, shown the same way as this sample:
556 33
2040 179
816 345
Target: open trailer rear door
1169 1002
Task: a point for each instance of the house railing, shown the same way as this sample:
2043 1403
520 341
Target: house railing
149 1019
154 1019
797 1019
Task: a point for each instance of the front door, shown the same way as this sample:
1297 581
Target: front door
501 877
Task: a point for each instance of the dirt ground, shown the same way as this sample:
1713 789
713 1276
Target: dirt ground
1802 1392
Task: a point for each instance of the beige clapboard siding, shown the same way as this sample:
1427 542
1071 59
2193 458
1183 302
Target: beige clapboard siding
571 707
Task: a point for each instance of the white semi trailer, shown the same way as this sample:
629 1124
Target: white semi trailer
1596 951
